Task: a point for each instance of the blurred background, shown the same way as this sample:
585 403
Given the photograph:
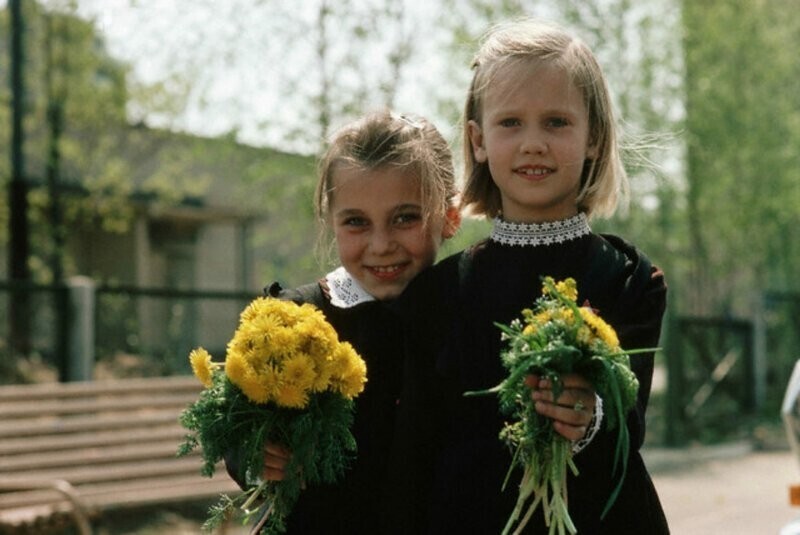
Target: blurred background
158 167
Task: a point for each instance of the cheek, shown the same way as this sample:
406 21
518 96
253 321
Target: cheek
423 246
347 246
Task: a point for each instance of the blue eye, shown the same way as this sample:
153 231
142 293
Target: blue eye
510 122
355 222
407 218
557 122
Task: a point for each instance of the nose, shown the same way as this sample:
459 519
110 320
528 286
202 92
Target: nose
533 142
382 241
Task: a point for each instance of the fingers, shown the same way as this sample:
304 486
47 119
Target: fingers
277 450
532 381
570 432
276 457
572 411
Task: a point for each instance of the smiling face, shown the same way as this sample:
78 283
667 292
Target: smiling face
380 233
534 134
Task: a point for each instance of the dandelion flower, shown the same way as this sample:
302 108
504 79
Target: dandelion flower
291 396
299 370
200 360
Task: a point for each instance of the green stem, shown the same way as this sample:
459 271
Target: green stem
254 494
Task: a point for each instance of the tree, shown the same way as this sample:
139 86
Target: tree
742 127
324 61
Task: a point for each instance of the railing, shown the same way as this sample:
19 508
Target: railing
74 325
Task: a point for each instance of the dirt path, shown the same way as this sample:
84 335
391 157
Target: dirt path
731 491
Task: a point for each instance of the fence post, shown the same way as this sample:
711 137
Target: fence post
760 353
80 348
675 378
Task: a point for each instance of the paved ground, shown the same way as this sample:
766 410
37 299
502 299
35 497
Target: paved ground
719 490
725 490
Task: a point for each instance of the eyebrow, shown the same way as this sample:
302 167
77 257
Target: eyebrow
512 111
407 206
347 212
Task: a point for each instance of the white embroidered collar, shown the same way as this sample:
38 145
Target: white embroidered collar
345 291
547 233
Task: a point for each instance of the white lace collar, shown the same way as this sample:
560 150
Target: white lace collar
533 234
345 291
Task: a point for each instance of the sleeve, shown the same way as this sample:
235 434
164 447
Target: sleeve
644 310
638 298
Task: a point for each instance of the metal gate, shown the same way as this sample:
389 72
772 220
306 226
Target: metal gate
711 387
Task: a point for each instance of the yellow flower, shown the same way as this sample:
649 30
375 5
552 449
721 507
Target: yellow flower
299 370
258 387
291 396
200 360
350 371
600 328
568 288
282 350
235 366
530 329
322 379
284 340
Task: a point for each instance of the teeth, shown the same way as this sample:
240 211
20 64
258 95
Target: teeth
385 269
534 172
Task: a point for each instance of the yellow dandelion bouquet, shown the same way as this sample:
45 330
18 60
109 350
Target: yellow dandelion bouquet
286 379
558 337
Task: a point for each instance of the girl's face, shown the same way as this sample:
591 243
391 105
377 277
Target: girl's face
534 134
377 219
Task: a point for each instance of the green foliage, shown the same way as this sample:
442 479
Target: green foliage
742 157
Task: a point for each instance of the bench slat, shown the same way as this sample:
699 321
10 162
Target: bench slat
77 424
80 475
159 492
176 383
115 442
36 461
27 409
54 443
115 496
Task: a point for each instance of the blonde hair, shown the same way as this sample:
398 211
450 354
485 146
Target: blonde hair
386 139
525 44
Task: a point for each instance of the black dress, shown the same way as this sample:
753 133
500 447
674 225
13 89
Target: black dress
450 311
378 494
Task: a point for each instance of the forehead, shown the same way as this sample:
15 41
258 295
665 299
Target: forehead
541 83
354 187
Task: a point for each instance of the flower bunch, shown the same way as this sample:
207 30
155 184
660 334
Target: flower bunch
558 337
287 379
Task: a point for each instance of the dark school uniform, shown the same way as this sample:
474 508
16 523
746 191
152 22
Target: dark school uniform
450 312
379 491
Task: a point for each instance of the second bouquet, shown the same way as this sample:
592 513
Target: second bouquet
559 337
289 380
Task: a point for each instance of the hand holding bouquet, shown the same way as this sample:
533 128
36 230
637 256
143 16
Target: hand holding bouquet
554 339
287 379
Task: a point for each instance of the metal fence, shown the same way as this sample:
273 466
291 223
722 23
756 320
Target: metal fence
155 326
725 374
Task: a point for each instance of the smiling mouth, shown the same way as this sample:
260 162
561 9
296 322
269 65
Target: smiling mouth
534 171
387 272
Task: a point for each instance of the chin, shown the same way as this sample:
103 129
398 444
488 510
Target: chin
384 294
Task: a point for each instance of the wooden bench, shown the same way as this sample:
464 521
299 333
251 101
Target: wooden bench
71 451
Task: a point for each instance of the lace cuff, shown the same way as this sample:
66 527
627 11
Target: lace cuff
594 426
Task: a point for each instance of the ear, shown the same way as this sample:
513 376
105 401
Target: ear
476 140
452 221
